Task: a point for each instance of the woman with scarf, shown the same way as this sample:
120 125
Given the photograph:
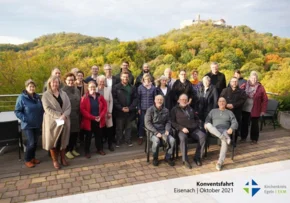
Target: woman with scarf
74 96
164 90
254 107
146 94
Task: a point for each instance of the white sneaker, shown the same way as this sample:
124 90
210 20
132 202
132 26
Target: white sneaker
228 139
218 166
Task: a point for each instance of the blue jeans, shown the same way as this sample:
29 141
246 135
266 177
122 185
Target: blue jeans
156 143
32 137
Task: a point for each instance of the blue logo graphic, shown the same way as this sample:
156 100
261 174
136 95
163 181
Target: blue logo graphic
254 188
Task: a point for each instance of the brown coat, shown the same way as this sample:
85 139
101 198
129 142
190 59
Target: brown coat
84 88
52 111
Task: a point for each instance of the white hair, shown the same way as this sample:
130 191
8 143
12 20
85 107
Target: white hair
101 77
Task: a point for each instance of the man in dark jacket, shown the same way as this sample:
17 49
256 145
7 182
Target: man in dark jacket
158 123
145 69
110 79
241 81
184 120
218 79
207 98
182 86
235 98
125 69
125 103
93 77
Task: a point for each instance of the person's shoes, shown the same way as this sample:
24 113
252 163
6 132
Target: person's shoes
197 162
218 166
88 155
118 144
130 144
35 161
170 162
69 155
62 158
111 148
228 139
155 162
75 153
140 141
187 164
254 142
29 164
242 140
101 152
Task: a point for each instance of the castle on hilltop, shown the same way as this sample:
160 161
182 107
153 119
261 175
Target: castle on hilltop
197 21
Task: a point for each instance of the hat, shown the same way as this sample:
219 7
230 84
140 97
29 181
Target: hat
27 82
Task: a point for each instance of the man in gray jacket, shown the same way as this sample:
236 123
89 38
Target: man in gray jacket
158 123
221 123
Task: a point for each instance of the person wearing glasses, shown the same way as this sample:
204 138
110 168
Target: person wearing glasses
74 96
94 110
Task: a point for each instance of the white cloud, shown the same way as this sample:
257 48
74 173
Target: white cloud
12 40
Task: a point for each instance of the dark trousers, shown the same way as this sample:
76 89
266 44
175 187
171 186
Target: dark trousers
32 138
141 124
95 128
254 132
72 141
197 135
123 124
109 133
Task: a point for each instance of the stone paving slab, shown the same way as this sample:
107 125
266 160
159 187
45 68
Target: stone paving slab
274 146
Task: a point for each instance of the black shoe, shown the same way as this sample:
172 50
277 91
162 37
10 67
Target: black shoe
170 162
187 164
197 162
111 148
155 162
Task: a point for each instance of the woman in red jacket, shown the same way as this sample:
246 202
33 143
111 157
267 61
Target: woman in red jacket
93 109
254 107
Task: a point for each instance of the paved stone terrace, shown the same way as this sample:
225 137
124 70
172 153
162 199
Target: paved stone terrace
273 146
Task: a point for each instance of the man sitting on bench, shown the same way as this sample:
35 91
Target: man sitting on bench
158 123
186 122
221 122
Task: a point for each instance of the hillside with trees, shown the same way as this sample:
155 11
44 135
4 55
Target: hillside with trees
190 48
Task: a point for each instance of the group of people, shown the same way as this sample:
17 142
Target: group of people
106 106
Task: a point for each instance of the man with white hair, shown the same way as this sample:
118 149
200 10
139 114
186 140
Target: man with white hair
145 69
221 123
170 81
184 119
158 123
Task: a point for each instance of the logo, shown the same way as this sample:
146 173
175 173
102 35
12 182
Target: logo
252 188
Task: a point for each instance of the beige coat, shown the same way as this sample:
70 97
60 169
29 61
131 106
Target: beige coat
109 99
52 111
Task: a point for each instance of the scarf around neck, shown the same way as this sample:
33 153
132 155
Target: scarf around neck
251 89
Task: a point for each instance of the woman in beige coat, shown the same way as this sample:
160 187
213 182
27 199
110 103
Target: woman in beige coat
106 92
56 105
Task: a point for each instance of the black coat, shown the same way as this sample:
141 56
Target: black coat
167 97
180 119
237 98
206 102
120 101
219 81
179 88
114 81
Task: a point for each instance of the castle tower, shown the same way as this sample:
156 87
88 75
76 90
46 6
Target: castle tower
197 19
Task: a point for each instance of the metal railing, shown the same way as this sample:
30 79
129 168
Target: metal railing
8 101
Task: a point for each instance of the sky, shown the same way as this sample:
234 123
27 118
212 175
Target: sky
24 20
